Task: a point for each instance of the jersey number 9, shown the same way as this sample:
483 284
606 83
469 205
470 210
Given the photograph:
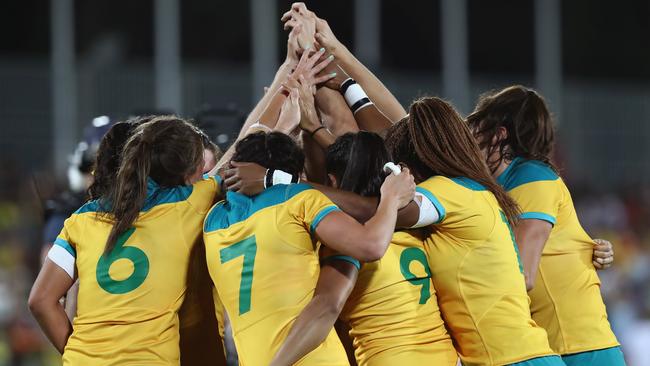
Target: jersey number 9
414 254
133 254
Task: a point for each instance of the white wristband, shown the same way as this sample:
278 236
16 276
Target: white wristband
354 94
428 212
280 177
391 167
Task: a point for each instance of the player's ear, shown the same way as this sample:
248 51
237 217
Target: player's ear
332 179
502 134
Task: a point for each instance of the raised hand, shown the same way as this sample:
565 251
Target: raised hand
299 15
310 65
293 48
309 120
289 117
400 187
339 76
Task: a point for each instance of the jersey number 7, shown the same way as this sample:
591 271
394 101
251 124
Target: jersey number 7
247 248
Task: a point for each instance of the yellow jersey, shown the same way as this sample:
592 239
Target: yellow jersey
264 262
393 311
566 299
478 276
128 302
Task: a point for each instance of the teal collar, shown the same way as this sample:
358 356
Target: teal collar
501 179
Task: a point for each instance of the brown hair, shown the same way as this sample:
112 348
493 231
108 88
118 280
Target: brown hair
434 140
166 149
525 116
109 153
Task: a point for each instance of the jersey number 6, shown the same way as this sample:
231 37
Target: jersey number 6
247 248
133 254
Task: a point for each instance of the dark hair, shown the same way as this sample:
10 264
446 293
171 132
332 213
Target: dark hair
525 116
109 153
434 140
357 161
273 150
166 149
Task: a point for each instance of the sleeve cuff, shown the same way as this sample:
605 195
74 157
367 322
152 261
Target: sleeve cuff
217 177
320 216
344 258
434 201
539 216
62 258
65 245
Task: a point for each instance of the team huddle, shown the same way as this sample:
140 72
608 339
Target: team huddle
437 239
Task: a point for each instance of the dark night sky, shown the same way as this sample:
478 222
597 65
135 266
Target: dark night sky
601 39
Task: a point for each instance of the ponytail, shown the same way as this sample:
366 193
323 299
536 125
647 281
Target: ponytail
130 190
441 144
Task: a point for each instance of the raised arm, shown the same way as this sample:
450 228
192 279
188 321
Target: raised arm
315 322
385 100
366 114
267 111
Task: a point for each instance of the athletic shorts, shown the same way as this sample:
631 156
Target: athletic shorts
602 357
541 361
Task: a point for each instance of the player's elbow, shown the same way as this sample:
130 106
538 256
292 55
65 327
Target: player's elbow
530 282
325 309
36 302
333 308
371 250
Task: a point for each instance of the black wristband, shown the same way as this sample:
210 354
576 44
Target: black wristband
346 84
268 179
316 130
359 103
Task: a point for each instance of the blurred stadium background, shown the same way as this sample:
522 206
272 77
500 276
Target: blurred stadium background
65 62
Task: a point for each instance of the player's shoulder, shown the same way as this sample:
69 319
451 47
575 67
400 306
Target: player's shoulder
447 185
238 207
217 218
522 171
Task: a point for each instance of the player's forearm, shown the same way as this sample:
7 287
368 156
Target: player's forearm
379 229
308 331
324 137
71 301
366 242
280 77
269 116
314 160
371 119
360 208
335 113
377 91
531 237
53 320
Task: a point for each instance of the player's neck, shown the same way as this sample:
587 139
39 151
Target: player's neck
503 165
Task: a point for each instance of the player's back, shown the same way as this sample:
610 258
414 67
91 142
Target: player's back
478 276
128 300
393 311
566 299
265 266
